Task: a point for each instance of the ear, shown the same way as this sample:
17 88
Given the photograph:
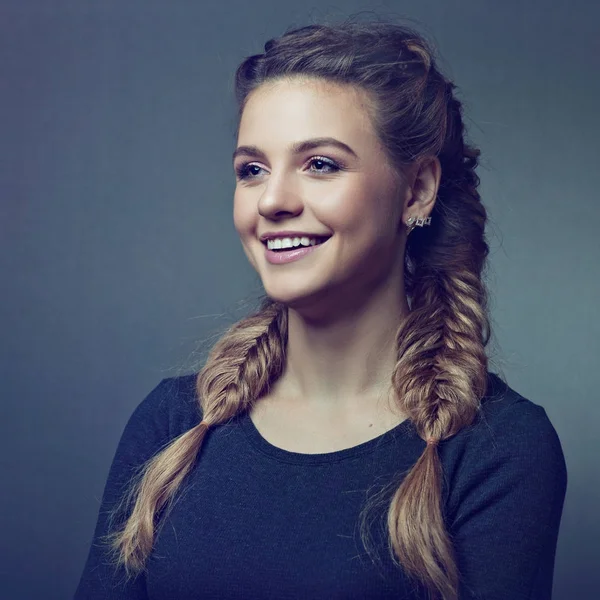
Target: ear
425 176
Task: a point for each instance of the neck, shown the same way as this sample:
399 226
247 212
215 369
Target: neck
346 361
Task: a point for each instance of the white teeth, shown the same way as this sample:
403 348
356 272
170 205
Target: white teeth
279 243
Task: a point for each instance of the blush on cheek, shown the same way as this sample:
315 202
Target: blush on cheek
244 223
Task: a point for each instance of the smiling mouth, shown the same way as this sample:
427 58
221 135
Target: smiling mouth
318 242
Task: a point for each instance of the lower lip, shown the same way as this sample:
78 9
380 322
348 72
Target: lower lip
279 258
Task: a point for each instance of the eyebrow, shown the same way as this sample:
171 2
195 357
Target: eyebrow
296 148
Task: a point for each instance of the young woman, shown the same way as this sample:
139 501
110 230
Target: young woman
347 440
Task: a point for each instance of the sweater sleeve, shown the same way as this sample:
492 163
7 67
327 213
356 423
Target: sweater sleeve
506 506
147 431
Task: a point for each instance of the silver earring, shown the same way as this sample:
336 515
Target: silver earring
413 222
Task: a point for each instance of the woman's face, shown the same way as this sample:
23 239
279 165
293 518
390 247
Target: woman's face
350 194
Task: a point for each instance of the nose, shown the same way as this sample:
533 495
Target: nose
280 198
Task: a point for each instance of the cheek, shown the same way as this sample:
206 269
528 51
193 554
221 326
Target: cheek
243 216
342 209
355 210
366 221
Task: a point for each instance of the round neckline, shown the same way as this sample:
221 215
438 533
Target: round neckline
403 429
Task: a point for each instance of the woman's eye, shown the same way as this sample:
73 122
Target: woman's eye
248 170
243 172
327 163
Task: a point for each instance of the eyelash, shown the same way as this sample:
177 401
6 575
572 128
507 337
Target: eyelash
242 170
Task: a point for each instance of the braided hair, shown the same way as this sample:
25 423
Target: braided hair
441 368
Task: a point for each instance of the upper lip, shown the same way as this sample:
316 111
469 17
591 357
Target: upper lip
291 234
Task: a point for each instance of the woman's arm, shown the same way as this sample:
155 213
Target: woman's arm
508 501
144 435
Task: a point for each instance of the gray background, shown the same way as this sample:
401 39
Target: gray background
120 261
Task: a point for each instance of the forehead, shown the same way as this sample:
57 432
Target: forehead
298 108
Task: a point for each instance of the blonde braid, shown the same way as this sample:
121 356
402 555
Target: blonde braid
438 380
243 363
239 369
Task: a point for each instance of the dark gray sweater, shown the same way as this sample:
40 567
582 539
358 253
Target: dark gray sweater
254 521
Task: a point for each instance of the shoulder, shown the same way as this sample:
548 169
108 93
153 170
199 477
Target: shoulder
506 485
509 422
167 411
511 439
506 421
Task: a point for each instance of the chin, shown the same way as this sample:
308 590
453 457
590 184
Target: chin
285 296
293 298
311 303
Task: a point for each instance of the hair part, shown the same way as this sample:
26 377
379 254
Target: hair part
441 370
